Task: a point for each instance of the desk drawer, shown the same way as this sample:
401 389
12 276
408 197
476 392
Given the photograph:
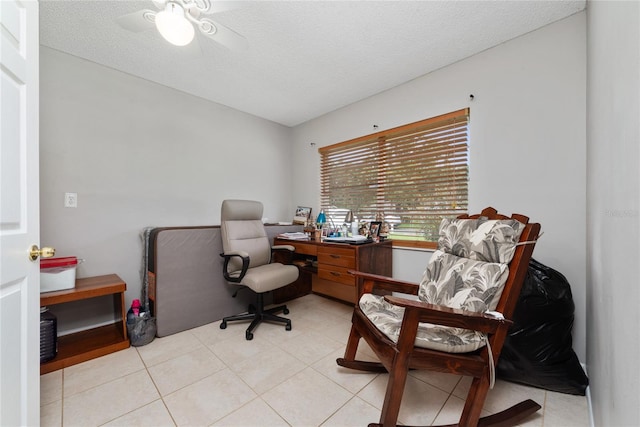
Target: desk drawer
336 274
334 289
341 257
301 248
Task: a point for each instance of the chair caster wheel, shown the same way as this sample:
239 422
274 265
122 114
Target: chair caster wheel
249 336
223 325
288 327
285 311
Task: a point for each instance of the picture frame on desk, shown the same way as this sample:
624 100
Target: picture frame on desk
302 215
374 229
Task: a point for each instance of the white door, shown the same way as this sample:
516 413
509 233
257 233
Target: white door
19 215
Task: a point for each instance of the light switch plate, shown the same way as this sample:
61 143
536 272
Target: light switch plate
70 200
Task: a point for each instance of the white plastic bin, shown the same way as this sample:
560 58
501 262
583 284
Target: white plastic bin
57 274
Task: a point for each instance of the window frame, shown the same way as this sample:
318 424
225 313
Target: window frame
380 146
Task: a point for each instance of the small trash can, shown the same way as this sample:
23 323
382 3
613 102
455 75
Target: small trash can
48 335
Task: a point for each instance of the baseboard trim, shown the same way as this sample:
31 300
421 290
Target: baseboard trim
588 395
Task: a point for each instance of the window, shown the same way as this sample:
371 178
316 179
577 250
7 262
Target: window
409 177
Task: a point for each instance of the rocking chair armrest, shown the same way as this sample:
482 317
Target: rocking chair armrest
371 282
457 318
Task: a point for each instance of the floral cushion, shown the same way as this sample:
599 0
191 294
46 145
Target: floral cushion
450 281
480 239
468 271
388 319
464 283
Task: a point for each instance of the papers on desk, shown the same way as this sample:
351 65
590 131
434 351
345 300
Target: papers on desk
352 239
357 238
293 236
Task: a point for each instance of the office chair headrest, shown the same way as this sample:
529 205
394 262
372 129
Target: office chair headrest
241 210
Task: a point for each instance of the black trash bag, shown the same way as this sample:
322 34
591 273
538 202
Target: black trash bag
538 350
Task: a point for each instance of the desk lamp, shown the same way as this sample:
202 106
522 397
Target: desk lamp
349 220
321 220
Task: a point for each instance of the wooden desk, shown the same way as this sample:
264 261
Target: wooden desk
334 260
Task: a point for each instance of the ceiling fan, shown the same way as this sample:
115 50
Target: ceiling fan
179 20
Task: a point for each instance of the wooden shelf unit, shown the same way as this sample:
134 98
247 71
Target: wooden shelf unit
91 343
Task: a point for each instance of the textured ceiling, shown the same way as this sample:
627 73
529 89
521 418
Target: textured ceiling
304 58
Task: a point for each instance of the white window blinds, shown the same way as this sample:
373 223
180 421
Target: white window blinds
410 177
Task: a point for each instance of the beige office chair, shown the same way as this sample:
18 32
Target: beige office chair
247 261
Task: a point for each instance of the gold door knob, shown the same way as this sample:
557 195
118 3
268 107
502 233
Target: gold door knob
36 252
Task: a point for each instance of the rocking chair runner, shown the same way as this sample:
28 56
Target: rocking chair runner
453 328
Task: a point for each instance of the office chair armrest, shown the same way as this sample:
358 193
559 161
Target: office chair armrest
289 248
457 318
245 265
241 254
371 282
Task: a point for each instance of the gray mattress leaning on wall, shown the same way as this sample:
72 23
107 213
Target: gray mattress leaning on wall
189 288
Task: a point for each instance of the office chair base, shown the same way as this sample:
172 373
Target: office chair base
257 314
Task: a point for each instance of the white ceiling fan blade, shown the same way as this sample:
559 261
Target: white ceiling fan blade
137 21
160 4
225 36
223 6
193 49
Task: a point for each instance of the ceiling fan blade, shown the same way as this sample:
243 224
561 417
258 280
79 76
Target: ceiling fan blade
223 6
227 37
159 4
136 21
193 49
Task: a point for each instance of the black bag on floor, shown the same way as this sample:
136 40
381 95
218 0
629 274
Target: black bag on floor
538 350
141 329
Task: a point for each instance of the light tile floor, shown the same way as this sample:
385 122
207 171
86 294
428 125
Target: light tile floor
212 377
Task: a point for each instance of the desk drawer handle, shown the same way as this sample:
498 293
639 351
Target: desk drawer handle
335 273
334 256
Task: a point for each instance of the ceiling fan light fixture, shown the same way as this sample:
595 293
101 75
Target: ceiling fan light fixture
174 26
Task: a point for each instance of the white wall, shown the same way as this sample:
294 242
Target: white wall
139 154
527 136
613 213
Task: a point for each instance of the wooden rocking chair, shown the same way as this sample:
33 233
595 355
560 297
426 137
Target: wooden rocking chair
404 342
